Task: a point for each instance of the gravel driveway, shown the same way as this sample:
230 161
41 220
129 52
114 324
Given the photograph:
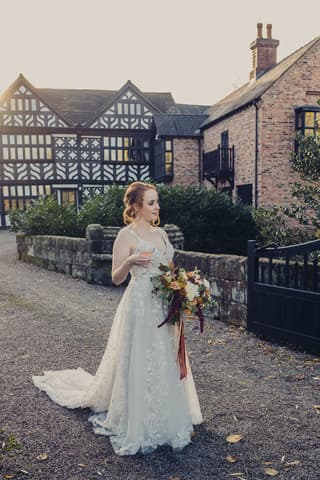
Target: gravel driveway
268 394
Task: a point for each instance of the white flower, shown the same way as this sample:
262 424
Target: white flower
191 291
206 283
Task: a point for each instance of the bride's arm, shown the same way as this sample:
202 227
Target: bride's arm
123 260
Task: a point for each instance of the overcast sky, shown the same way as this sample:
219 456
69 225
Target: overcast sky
196 49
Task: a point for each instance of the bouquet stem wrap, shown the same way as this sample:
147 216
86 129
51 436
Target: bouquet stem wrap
181 355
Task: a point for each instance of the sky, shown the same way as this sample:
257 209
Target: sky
196 49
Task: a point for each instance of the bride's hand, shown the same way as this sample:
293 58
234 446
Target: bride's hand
139 259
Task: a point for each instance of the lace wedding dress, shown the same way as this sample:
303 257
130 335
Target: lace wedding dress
136 395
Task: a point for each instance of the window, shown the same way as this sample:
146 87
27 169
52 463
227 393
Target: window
225 139
20 196
126 149
169 158
308 120
68 196
244 193
17 147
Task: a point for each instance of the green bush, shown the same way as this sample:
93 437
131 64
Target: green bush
273 227
209 219
105 209
46 217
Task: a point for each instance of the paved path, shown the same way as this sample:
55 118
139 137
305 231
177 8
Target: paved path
246 386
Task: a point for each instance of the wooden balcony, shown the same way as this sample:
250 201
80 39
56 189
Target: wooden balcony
218 165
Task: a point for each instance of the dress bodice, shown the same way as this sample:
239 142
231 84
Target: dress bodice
158 257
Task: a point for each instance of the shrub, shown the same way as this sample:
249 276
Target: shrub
46 217
105 208
209 220
273 227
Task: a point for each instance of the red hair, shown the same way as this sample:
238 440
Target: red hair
134 196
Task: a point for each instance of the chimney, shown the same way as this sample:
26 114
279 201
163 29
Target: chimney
264 52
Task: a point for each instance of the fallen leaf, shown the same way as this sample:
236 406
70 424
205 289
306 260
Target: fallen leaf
317 407
232 458
291 464
24 471
234 438
42 456
8 476
99 473
271 472
174 478
81 465
267 463
316 378
193 434
209 342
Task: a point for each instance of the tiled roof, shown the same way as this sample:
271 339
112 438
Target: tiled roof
178 125
253 90
80 106
191 109
77 106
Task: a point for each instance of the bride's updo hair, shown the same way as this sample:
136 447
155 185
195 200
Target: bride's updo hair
134 197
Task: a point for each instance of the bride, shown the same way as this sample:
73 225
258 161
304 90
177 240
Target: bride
136 395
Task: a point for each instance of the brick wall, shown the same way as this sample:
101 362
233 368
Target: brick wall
241 128
186 161
276 124
277 127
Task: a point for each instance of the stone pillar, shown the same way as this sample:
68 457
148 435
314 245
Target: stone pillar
94 237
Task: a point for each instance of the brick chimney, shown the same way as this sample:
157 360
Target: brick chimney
264 52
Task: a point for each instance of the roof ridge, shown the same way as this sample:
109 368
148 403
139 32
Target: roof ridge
252 90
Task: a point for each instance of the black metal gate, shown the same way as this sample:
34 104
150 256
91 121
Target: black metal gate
284 293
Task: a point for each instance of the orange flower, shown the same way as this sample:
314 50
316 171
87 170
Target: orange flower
175 285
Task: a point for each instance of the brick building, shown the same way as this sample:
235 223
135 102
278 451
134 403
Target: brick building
77 142
248 136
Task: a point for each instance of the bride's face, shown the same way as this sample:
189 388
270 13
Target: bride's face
150 206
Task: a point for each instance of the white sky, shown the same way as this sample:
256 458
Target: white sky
196 49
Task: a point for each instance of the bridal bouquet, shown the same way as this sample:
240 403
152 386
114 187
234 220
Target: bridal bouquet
186 293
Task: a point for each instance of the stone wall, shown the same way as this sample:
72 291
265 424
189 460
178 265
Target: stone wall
90 259
227 275
87 258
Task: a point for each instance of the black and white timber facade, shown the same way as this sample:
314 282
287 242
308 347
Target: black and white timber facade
77 142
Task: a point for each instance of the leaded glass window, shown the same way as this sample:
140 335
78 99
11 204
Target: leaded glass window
169 157
20 196
308 120
133 149
25 148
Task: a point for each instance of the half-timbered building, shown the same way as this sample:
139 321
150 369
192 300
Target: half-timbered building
77 142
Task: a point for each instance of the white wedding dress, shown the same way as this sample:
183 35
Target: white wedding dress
136 394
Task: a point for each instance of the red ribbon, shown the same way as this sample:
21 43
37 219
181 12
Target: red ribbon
181 355
182 351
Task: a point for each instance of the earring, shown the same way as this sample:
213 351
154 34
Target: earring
157 222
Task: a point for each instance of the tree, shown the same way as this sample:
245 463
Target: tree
306 193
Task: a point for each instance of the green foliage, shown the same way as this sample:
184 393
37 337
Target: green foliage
46 217
306 160
105 209
209 220
273 228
